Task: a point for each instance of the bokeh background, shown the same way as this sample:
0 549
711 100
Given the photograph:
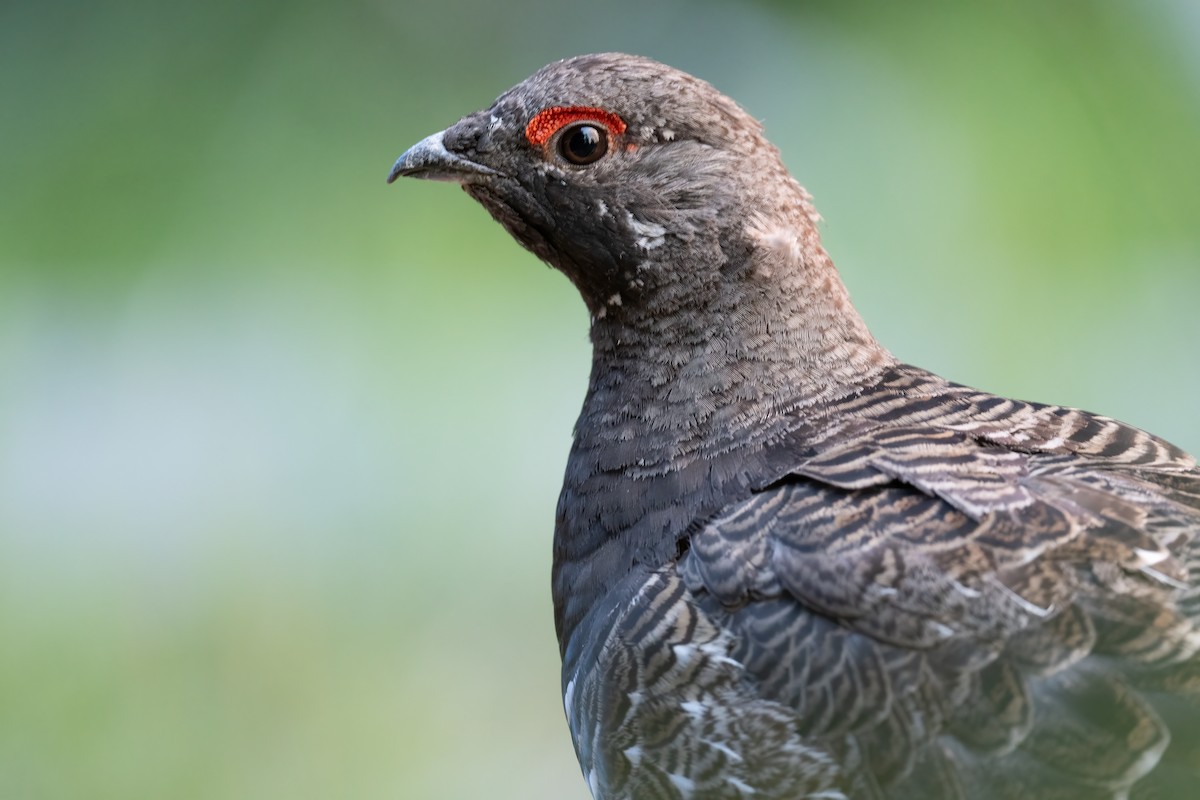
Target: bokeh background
280 445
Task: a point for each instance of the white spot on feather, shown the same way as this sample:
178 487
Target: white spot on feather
966 591
741 786
728 751
693 708
724 659
1030 607
942 631
569 696
684 652
714 651
649 234
634 754
685 785
1150 557
771 236
1163 578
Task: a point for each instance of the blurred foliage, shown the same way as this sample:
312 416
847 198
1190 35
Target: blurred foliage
279 445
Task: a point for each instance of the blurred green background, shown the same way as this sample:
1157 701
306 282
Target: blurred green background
280 445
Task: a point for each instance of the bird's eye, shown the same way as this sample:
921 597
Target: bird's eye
583 143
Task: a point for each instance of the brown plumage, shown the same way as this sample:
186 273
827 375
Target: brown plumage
785 564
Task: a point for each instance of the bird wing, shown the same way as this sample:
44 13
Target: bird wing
960 591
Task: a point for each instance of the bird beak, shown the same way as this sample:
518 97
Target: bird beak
429 159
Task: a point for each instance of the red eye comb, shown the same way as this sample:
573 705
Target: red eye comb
548 121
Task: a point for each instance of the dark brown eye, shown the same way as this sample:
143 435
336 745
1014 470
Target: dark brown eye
583 143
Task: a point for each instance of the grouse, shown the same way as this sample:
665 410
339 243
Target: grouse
786 564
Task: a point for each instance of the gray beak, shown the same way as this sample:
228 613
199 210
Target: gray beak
429 159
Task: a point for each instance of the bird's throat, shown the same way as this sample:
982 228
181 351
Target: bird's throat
679 420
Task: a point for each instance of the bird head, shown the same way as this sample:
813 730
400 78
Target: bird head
616 169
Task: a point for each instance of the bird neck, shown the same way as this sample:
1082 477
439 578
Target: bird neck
683 404
684 371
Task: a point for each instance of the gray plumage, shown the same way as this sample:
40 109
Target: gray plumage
785 564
